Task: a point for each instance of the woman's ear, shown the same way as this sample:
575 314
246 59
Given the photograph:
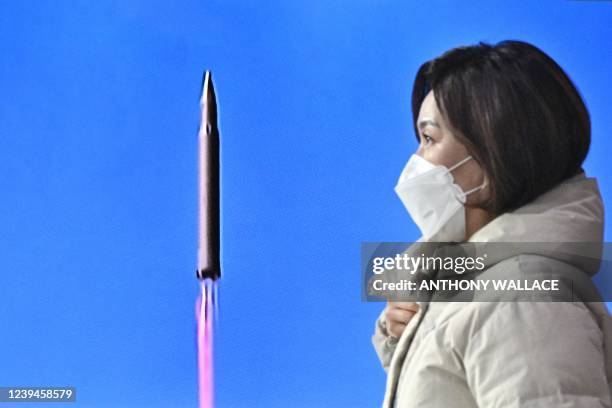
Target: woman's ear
485 196
482 197
485 182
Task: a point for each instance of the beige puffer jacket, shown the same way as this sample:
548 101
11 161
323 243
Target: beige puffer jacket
511 354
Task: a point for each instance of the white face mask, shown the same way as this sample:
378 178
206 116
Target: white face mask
433 200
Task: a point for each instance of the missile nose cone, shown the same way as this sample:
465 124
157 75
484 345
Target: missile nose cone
208 90
208 102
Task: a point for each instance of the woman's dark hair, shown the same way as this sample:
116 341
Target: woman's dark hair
516 111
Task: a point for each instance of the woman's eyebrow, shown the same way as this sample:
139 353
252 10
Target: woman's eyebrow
426 122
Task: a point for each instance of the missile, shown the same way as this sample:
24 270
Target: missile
209 266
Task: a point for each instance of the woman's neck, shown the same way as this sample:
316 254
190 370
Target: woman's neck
475 219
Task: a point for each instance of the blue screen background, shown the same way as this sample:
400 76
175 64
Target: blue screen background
98 151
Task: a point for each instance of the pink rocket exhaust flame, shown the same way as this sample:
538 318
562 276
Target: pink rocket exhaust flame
209 269
205 306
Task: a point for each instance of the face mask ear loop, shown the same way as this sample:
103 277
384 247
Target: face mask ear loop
459 164
480 187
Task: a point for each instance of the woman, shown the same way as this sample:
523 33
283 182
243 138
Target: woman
510 127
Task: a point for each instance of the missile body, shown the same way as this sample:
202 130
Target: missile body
209 225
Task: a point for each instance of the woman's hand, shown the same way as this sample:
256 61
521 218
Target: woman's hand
397 315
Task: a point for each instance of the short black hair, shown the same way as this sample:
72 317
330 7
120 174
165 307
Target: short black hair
516 111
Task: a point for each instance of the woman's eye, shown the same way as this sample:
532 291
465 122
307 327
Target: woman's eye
428 139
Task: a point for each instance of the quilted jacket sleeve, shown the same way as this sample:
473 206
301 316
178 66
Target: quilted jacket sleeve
536 354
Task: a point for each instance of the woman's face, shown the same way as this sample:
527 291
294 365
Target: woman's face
439 146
